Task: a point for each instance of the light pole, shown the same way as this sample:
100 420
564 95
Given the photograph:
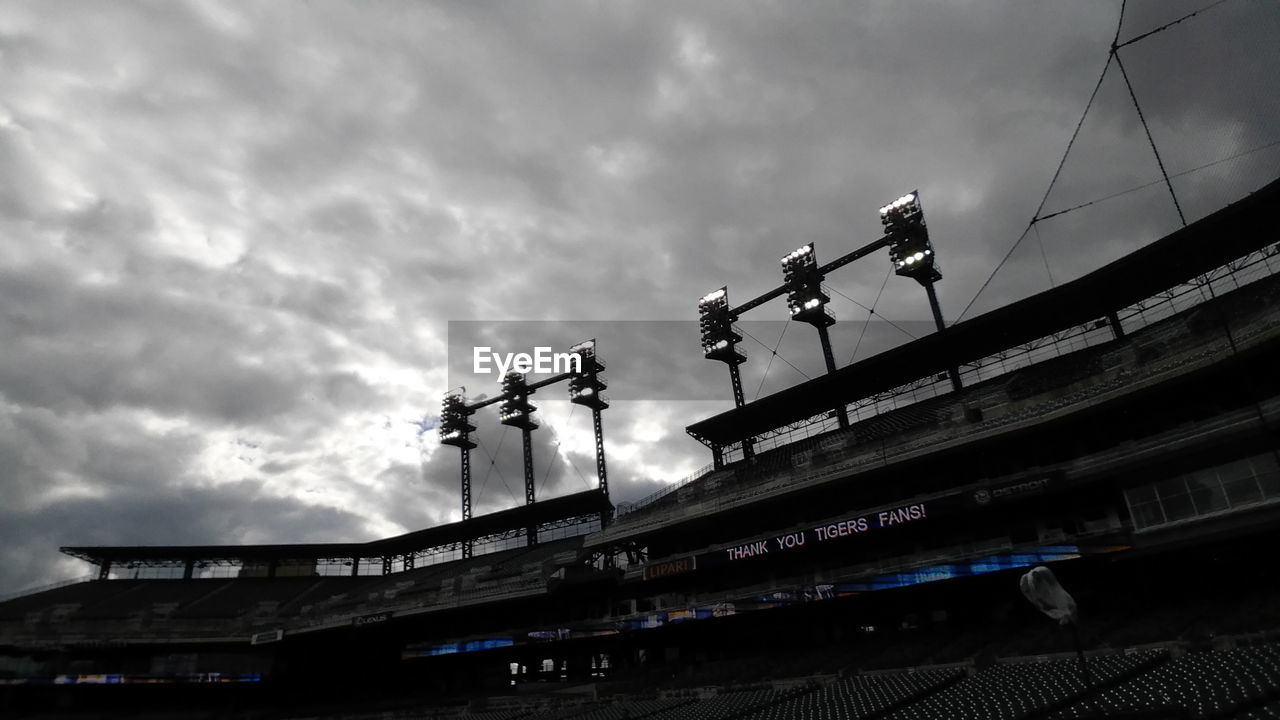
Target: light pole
808 304
516 411
585 389
720 342
912 254
455 430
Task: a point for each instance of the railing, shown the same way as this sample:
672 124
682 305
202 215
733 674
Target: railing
1233 275
658 495
438 599
1253 266
45 588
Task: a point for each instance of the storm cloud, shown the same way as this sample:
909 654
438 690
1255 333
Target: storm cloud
232 235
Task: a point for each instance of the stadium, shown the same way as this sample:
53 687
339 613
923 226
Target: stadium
854 547
1118 428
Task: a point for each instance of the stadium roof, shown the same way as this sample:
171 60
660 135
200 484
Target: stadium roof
580 504
1194 250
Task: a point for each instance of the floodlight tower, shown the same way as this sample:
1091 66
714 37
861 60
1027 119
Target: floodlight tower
455 430
808 303
516 411
585 387
720 342
912 254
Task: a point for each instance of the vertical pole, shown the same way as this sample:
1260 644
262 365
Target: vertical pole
188 569
355 566
1116 328
104 570
827 355
527 434
953 372
531 533
1084 668
466 483
466 496
830 359
602 472
748 447
736 378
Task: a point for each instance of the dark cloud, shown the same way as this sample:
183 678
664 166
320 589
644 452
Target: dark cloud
237 512
105 481
232 236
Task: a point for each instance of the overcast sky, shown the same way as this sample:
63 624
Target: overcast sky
232 235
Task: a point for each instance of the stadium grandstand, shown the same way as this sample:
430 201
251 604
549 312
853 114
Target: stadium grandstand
858 545
1120 429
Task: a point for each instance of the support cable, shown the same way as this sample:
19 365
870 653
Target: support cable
1043 256
493 465
1165 176
1056 173
999 265
777 345
479 492
574 465
780 357
872 309
556 455
1144 186
552 460
1151 140
1167 25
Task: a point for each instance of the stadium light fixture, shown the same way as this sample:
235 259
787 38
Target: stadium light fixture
455 421
909 248
515 410
912 255
802 280
805 298
585 386
719 341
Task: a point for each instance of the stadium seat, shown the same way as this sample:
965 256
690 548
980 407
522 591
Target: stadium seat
1207 683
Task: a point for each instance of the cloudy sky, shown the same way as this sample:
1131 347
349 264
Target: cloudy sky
233 235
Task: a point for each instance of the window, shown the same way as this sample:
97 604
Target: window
1268 473
1207 493
1147 514
1239 482
1175 499
1216 489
